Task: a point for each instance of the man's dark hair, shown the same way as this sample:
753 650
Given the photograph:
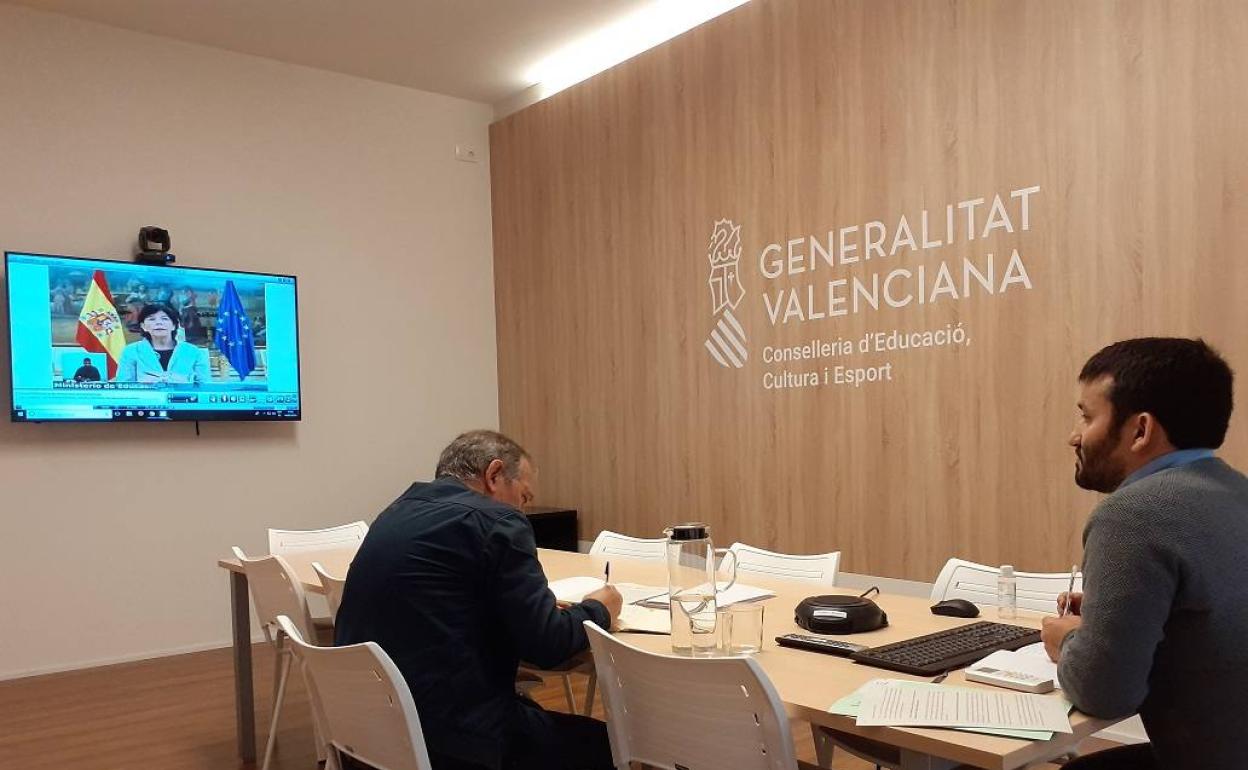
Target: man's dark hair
467 457
1184 383
151 310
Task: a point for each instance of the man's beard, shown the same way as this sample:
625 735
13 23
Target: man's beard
1096 469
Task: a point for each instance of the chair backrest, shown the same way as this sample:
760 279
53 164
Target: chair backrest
363 704
610 543
694 713
333 587
961 579
287 541
817 568
276 590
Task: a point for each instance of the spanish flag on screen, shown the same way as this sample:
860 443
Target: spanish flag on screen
99 325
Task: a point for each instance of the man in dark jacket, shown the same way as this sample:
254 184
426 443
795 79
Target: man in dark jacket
448 583
87 372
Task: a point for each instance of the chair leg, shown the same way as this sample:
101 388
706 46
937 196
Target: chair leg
331 761
277 711
823 746
322 754
589 693
278 656
567 691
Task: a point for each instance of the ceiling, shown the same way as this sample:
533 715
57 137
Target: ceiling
473 49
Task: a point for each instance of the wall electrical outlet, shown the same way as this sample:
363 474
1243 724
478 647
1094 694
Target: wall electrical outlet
466 152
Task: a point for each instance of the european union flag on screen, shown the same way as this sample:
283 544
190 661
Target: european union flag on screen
233 337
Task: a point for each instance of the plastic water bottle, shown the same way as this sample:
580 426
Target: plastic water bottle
1007 593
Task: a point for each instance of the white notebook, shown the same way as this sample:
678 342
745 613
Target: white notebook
1031 659
643 620
572 590
633 617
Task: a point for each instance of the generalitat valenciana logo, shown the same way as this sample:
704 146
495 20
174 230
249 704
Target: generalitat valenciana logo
727 341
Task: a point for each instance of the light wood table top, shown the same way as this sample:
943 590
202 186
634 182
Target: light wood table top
807 682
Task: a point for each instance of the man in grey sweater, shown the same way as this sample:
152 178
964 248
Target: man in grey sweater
1162 627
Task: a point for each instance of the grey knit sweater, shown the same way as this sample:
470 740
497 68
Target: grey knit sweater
1165 614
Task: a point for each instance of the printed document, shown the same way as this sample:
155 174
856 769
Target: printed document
849 706
903 706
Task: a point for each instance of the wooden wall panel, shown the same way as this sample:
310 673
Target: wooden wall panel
791 117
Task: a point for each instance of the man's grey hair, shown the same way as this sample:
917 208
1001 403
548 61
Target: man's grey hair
467 457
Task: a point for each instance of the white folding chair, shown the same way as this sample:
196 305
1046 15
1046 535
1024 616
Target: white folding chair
690 713
977 583
333 587
959 579
298 545
365 707
276 590
610 543
284 542
818 568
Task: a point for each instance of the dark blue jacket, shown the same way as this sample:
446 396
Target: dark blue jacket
448 583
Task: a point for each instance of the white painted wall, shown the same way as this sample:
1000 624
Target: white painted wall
109 534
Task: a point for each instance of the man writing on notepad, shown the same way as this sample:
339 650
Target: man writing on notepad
1162 627
448 583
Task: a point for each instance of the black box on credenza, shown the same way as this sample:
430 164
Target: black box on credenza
554 528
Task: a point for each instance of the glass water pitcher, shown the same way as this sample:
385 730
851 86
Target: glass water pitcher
692 587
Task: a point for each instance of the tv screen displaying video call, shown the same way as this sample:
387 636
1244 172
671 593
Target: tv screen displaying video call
94 339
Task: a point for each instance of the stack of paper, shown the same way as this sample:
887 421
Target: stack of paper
735 595
923 704
572 590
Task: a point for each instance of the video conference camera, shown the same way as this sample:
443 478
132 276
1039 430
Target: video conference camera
154 246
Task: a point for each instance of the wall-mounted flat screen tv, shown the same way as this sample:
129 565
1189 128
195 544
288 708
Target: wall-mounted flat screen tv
101 340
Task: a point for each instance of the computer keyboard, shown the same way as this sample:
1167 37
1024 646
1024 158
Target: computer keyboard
943 650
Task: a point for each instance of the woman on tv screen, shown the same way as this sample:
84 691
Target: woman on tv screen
160 356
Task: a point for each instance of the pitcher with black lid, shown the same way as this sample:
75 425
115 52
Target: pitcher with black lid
692 587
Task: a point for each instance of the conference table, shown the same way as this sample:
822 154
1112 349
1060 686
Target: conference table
808 683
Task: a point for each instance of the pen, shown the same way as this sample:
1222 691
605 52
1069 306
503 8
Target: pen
606 576
1066 607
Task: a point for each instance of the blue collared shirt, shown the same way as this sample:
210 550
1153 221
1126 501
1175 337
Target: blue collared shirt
1169 460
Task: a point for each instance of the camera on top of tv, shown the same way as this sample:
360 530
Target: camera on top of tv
154 246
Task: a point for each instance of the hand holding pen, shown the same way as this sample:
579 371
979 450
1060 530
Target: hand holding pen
608 596
1070 602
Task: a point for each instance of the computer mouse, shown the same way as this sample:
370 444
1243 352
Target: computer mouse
955 608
